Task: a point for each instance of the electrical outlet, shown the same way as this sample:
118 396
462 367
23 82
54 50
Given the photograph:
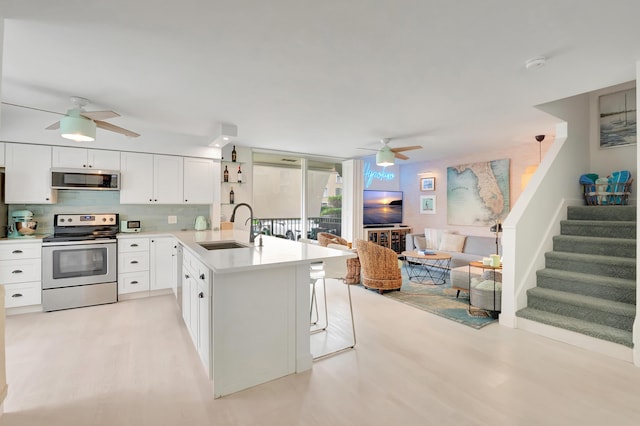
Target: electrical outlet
172 219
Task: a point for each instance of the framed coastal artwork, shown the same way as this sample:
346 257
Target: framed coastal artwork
428 184
427 204
478 193
617 118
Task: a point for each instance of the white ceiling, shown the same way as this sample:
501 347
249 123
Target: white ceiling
319 77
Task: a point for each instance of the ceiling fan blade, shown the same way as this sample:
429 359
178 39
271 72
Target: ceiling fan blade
406 148
400 156
113 128
99 115
54 126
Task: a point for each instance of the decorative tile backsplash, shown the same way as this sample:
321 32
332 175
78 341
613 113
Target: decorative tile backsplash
152 217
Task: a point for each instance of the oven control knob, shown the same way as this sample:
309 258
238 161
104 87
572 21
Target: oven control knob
69 220
110 219
104 219
62 219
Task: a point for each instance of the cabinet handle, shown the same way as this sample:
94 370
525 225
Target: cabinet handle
133 262
201 295
155 199
186 201
17 271
90 166
133 245
150 199
16 251
202 276
186 276
46 199
84 165
16 295
134 282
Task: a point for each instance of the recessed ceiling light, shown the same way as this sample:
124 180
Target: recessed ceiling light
536 62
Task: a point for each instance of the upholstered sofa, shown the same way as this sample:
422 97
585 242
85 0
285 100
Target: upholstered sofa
462 248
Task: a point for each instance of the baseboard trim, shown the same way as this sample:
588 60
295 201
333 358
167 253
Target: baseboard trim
589 343
24 310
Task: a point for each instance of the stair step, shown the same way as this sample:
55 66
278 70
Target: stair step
587 308
602 213
616 289
607 266
599 228
598 331
595 245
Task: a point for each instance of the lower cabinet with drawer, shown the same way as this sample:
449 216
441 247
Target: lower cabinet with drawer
146 264
20 272
133 265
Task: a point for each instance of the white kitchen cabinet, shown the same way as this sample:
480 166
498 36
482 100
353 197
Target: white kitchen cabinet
20 272
133 265
196 309
136 176
80 158
199 180
146 264
163 262
168 179
150 179
2 144
204 321
28 174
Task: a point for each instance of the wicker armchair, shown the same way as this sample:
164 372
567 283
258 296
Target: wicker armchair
380 269
353 264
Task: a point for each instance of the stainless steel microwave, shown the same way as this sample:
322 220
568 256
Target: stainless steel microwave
85 179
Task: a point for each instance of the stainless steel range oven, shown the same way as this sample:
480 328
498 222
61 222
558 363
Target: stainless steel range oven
79 262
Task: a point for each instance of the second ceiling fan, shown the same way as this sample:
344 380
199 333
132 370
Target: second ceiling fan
386 155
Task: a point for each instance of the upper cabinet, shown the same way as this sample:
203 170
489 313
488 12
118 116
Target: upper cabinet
2 154
80 158
150 179
198 180
28 174
168 179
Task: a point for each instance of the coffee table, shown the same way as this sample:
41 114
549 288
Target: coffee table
427 267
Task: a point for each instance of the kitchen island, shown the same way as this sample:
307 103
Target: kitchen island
257 326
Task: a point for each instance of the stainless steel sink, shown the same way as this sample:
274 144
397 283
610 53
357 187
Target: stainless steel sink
223 245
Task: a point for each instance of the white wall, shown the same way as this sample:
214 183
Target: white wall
410 174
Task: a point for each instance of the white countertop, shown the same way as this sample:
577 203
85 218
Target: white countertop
37 238
274 252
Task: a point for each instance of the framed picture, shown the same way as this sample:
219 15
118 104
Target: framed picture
617 119
427 204
428 184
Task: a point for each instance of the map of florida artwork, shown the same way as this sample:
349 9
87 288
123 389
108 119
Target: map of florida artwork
478 193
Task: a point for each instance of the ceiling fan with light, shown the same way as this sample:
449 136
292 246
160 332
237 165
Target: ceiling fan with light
386 155
80 125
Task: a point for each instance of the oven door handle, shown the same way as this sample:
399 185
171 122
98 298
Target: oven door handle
75 243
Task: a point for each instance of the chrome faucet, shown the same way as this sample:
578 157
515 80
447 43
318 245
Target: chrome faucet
252 237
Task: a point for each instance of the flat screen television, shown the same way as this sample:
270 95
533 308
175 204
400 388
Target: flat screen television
382 207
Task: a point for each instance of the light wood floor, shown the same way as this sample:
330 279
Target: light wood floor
132 363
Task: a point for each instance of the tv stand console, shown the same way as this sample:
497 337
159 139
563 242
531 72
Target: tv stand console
390 237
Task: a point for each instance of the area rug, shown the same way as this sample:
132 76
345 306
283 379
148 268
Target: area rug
440 300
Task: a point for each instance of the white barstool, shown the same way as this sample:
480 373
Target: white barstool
330 268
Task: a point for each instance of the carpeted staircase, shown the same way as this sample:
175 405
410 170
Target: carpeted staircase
589 283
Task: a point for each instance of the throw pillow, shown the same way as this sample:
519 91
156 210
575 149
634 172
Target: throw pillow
431 238
452 242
